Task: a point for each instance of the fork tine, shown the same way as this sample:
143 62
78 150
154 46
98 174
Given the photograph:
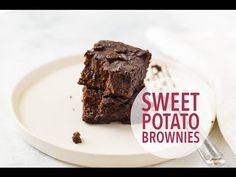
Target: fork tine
155 72
167 74
155 75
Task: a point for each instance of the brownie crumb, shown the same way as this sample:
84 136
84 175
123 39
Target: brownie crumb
76 138
157 67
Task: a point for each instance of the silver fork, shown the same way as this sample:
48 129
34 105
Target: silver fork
208 150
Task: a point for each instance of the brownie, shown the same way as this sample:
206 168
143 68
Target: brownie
113 75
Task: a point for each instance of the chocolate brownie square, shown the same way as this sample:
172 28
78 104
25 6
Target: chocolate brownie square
113 75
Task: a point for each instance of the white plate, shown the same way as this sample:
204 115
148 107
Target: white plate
48 117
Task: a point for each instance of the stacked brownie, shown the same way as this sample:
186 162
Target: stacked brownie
113 75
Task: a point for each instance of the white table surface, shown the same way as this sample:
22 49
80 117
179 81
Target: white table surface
29 38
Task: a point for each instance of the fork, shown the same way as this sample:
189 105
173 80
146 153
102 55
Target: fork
208 151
